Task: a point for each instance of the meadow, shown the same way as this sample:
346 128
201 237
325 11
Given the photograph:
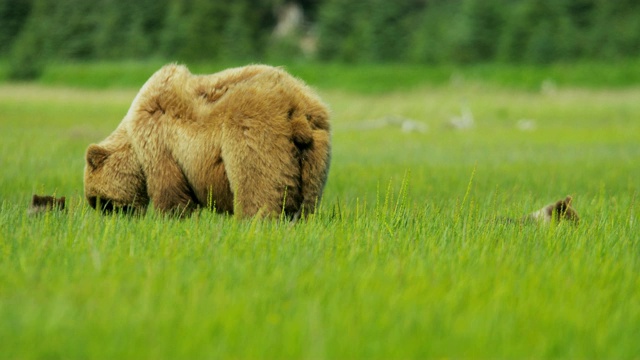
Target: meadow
407 257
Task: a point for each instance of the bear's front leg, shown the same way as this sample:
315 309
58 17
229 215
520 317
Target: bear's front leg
151 135
168 188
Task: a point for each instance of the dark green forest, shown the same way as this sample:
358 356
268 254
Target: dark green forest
36 32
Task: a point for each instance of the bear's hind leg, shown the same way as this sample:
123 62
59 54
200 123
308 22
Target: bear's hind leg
263 171
314 169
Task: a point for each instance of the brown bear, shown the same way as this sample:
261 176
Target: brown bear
555 212
560 210
42 203
252 141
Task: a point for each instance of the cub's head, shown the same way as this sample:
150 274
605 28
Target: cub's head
113 179
562 210
40 204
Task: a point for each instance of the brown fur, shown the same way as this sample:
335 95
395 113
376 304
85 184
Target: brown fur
558 211
42 203
562 210
252 141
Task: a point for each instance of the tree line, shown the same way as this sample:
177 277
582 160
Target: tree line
33 32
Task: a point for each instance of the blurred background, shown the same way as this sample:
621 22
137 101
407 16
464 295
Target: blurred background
35 33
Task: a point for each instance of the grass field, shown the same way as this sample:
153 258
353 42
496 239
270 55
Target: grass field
405 258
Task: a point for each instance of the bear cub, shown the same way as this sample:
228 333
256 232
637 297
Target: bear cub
42 203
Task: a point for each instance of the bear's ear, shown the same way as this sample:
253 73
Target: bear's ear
568 200
96 155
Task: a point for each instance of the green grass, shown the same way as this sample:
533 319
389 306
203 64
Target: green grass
364 78
405 258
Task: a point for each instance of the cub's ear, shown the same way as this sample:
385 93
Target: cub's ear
96 155
568 200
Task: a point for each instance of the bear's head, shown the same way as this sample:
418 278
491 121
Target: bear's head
562 210
113 178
